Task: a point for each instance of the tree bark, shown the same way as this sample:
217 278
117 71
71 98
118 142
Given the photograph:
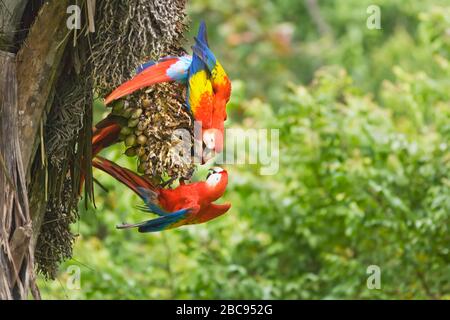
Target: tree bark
10 18
37 65
37 68
16 260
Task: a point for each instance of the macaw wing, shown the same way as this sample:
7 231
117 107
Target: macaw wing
169 221
200 95
151 202
220 81
196 66
202 34
202 50
177 68
124 175
170 69
150 63
213 211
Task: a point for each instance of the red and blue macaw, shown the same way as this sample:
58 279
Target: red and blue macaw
184 205
208 86
221 85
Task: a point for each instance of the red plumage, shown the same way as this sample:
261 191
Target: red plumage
149 76
195 198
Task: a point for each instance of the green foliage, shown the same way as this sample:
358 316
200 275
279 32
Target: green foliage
364 120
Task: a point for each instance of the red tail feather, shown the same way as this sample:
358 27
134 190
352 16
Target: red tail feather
124 175
148 77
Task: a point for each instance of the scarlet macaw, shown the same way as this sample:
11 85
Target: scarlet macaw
208 86
184 205
221 85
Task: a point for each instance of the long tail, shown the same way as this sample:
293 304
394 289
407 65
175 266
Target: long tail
196 67
132 180
149 75
202 33
139 184
197 64
202 50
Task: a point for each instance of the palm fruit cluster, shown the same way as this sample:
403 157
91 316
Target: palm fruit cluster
149 134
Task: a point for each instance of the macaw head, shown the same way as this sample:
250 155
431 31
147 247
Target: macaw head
216 180
213 139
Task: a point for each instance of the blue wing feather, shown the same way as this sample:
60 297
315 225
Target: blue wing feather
145 208
201 50
150 198
144 66
150 63
202 34
197 64
179 70
161 223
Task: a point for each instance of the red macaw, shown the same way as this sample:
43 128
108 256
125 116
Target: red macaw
208 86
184 205
221 85
200 95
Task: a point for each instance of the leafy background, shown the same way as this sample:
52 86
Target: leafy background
364 120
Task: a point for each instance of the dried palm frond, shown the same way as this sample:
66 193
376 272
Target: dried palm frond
15 221
65 148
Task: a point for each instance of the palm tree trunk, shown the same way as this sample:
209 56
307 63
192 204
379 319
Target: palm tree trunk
27 87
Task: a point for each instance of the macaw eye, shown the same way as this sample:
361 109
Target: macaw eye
211 143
